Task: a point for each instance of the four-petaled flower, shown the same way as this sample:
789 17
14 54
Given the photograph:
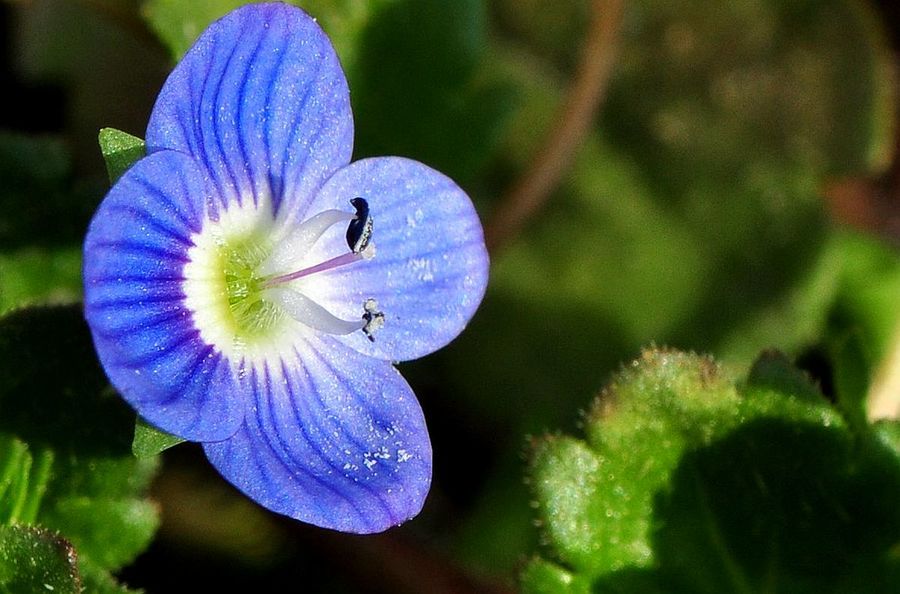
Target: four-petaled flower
248 287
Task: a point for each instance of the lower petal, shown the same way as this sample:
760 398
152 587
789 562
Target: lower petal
144 334
335 439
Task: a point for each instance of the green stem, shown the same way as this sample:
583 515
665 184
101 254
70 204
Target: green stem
11 455
40 478
20 489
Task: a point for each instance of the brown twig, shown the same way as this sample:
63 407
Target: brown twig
530 193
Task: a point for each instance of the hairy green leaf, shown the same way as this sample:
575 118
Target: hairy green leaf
36 560
692 481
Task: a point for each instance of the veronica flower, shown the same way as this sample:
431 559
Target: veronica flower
248 287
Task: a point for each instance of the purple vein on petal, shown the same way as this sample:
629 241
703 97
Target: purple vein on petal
147 322
155 223
197 118
309 387
267 420
186 117
276 184
115 293
313 387
141 248
155 192
175 340
303 426
196 216
140 279
298 165
214 119
203 388
251 60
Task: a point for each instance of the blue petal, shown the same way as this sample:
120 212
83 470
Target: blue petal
261 100
430 268
134 257
337 439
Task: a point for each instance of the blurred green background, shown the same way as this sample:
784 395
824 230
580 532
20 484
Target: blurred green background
738 191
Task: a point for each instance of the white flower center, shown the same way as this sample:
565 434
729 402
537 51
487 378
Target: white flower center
245 285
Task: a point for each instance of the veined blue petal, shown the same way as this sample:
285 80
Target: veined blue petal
261 101
430 268
134 255
336 439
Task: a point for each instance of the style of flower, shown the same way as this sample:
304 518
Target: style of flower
247 287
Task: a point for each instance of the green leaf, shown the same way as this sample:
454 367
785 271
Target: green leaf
120 150
888 433
36 560
864 322
773 372
37 275
777 502
55 398
642 422
565 477
870 282
852 377
127 528
150 441
15 466
23 480
691 481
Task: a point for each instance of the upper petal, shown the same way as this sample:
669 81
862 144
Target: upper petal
134 257
336 439
430 268
262 102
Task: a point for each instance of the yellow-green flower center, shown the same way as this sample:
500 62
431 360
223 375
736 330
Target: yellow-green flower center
250 314
223 285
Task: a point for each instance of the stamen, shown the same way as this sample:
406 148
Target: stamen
309 313
293 247
289 251
359 231
373 317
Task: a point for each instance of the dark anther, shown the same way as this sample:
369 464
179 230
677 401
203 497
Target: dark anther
359 231
374 318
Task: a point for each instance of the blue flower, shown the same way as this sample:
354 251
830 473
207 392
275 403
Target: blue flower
248 287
